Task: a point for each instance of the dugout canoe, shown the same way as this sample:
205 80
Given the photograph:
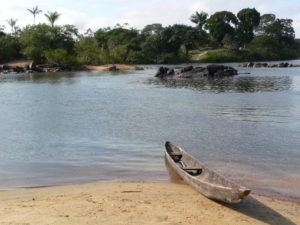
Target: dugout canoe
209 183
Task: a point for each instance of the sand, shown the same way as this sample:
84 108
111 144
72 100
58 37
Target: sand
23 63
119 67
136 203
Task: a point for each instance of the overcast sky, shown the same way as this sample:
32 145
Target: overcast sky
102 13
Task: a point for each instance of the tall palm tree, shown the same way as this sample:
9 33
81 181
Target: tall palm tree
199 18
52 17
35 11
12 23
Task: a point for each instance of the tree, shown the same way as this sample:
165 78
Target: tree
12 23
9 48
280 29
155 28
199 19
36 40
52 17
2 31
152 47
87 50
220 24
34 11
248 20
266 20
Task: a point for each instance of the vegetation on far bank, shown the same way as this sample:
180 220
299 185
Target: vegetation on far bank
221 37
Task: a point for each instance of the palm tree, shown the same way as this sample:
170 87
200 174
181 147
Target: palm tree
34 11
52 17
199 18
12 22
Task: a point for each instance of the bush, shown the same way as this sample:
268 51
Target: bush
60 57
173 58
223 55
137 57
9 48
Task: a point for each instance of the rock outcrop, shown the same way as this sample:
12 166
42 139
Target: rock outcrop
266 65
196 72
33 68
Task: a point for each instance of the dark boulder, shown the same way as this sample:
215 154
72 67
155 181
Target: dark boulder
196 72
213 69
18 69
5 68
187 69
34 68
221 70
170 72
113 69
162 71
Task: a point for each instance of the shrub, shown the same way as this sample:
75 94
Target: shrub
60 57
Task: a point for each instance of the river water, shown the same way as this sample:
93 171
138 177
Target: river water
78 127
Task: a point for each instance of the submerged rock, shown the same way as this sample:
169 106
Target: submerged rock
196 72
266 65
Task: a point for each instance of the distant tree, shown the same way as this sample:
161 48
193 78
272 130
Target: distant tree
199 19
248 20
34 11
280 29
87 50
9 48
2 31
12 23
266 21
155 28
52 17
152 47
220 24
37 39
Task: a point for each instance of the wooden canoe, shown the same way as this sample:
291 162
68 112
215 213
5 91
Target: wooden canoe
207 182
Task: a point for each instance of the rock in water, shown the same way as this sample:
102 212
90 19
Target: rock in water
196 72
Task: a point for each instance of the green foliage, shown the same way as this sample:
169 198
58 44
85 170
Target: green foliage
199 19
223 55
248 20
60 57
35 40
87 51
137 57
9 48
172 58
220 24
52 17
245 36
152 48
151 29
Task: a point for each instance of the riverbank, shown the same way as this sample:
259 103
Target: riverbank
23 66
136 203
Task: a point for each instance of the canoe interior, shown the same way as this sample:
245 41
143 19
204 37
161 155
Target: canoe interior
206 174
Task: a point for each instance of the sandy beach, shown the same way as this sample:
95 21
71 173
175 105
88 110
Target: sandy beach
121 67
118 66
136 203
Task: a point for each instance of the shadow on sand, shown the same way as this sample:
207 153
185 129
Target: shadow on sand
250 206
255 209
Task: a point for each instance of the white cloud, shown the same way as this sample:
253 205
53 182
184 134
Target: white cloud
102 13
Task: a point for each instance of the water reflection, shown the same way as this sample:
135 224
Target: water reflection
229 84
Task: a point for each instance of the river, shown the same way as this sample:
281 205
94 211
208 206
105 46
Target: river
77 127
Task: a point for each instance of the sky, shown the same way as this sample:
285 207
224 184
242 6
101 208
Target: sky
96 14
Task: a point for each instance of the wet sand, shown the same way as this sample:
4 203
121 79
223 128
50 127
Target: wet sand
137 203
118 66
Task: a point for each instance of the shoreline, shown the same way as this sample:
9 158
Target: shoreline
136 203
25 66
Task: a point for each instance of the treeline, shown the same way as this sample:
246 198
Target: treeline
242 37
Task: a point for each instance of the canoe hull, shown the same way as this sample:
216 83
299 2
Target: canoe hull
203 185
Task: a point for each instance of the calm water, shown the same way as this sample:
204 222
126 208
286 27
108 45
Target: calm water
99 126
